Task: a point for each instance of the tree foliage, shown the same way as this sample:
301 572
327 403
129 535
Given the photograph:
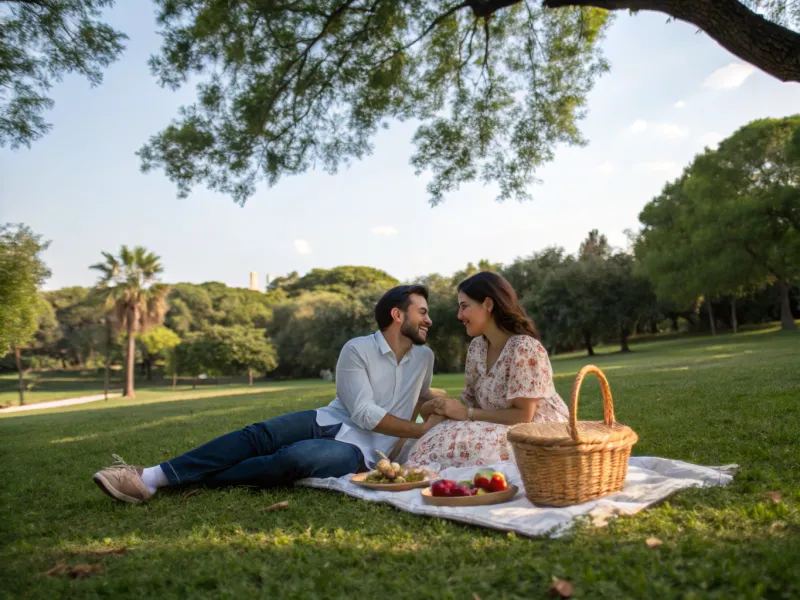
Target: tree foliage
286 86
22 271
731 223
40 42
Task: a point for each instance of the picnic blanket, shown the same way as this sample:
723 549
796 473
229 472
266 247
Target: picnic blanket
649 480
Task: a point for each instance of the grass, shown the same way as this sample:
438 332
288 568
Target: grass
705 400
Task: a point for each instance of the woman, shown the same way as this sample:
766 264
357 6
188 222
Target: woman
508 381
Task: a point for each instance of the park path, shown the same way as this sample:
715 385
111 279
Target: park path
57 403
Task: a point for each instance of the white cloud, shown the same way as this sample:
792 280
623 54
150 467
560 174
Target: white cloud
302 247
663 167
384 231
605 169
638 126
710 139
672 131
680 104
729 77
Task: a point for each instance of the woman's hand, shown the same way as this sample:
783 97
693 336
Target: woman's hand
450 408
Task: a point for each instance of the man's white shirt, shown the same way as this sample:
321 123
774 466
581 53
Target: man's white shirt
371 383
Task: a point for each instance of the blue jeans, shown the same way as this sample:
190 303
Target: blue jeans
272 453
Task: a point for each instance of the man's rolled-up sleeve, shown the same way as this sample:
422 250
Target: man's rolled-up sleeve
354 389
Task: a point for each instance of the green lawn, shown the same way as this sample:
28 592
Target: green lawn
706 400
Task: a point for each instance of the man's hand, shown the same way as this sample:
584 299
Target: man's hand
450 408
432 422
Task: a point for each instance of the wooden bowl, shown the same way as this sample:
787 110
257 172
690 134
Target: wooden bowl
359 478
482 500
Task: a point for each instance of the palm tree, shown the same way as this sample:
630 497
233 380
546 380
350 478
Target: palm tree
132 291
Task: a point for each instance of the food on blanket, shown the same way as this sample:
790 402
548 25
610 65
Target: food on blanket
483 478
485 481
498 482
392 472
443 487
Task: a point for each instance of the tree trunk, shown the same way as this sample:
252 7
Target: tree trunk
587 340
734 320
107 374
675 326
787 321
623 339
250 375
770 47
194 383
148 366
174 380
18 355
711 316
131 357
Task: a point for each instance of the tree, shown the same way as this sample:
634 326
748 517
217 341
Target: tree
131 288
629 296
156 344
22 271
496 85
41 41
242 350
731 224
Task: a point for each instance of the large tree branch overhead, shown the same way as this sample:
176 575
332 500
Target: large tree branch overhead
767 45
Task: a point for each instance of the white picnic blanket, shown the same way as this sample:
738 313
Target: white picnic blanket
649 480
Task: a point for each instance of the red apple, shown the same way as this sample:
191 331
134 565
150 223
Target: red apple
461 490
482 478
498 482
442 487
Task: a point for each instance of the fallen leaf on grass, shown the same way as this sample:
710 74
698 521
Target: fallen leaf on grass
562 588
192 493
777 525
79 571
774 496
653 542
83 570
59 569
278 506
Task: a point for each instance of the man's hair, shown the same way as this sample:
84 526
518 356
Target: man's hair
397 297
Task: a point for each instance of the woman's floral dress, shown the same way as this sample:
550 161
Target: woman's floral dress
521 371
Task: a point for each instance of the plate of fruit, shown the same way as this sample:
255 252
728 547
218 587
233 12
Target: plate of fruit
486 487
391 477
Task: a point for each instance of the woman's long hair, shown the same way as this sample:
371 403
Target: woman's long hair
507 312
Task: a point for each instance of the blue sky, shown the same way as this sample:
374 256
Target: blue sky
670 91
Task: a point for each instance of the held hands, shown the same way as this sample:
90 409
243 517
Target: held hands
432 422
450 408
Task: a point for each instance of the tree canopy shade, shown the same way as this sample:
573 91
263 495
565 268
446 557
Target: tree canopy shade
495 85
40 42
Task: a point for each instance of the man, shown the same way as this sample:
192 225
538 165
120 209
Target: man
380 380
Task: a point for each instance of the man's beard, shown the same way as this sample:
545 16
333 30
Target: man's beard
412 333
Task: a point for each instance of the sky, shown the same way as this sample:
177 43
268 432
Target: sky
670 92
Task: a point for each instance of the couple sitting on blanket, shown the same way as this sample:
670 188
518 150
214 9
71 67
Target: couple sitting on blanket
382 384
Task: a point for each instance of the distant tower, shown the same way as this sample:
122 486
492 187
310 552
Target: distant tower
270 279
253 280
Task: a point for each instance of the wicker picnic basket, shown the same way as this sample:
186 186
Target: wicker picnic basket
562 464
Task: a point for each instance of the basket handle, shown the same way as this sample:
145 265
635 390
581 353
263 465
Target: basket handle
608 402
